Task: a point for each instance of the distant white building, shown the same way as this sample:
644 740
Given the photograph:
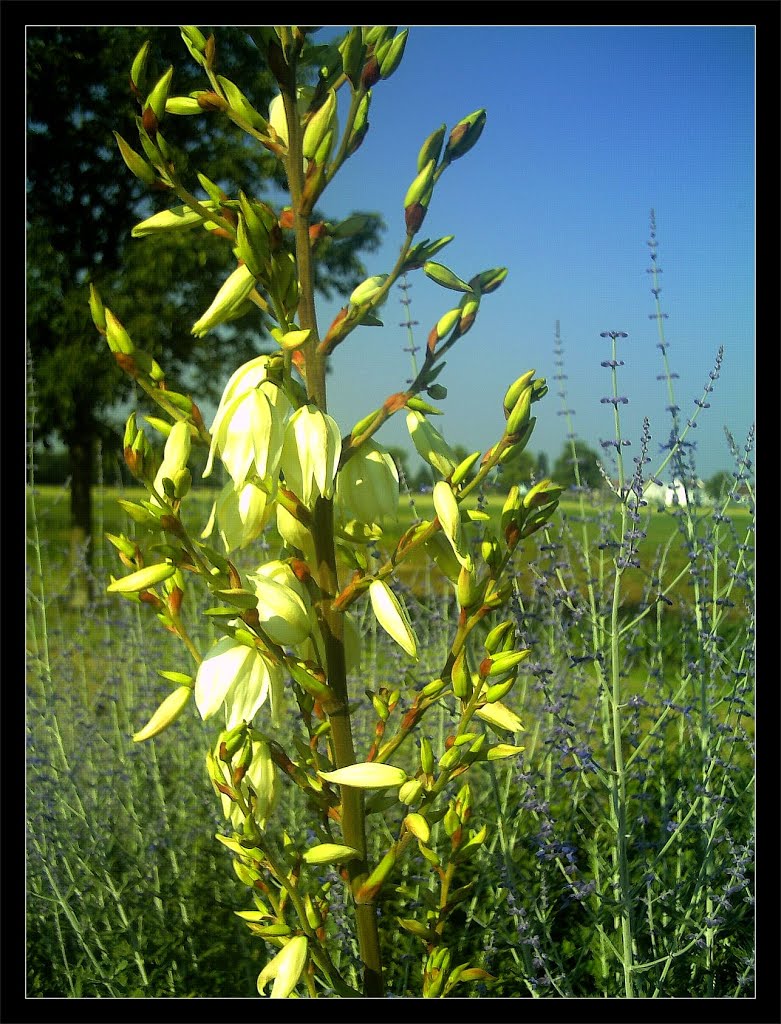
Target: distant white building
675 493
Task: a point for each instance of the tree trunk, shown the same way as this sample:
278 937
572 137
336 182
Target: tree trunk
81 457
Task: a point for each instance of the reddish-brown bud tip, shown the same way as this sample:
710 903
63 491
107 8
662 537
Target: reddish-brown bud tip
251 617
449 741
370 75
196 416
485 667
126 363
150 122
301 570
414 215
211 101
395 402
175 599
317 231
286 218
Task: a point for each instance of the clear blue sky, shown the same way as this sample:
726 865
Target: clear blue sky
588 128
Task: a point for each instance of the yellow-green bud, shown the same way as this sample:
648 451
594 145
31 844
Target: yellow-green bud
96 308
542 493
420 185
464 135
142 579
426 756
117 337
514 391
159 94
366 291
521 412
329 853
462 469
173 705
389 56
500 716
135 162
445 277
410 792
322 123
367 775
418 826
489 280
432 147
352 51
183 106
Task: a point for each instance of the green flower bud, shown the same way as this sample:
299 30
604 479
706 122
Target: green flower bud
462 469
97 310
183 106
418 826
515 390
521 413
142 579
432 147
426 755
430 444
352 51
322 123
464 136
136 162
173 705
138 67
117 337
542 493
366 291
489 280
449 760
497 636
159 94
445 277
195 41
329 853
410 792
460 678
241 105
496 691
169 220
233 292
390 56
420 185
367 775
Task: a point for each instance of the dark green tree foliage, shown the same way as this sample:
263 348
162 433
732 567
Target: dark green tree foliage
82 202
563 471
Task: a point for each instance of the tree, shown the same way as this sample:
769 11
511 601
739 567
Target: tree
719 484
81 204
563 471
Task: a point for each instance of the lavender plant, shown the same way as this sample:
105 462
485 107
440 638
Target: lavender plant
289 636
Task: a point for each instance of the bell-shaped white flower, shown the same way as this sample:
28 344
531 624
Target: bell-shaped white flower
449 516
286 968
240 516
235 675
310 454
392 616
282 612
244 379
367 486
248 434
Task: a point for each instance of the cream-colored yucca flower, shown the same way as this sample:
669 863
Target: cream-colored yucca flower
446 507
282 612
240 516
276 111
247 433
392 616
286 968
260 775
367 487
237 676
310 454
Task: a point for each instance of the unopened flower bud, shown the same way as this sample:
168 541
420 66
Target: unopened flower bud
173 705
135 162
432 147
366 291
464 135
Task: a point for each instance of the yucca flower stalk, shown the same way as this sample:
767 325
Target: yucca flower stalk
288 627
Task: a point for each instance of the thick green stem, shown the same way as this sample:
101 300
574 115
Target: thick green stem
331 621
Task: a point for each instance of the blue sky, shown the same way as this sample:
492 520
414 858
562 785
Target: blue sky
588 128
